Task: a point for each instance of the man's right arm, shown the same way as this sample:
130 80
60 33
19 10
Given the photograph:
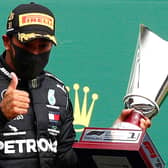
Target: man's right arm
14 102
3 120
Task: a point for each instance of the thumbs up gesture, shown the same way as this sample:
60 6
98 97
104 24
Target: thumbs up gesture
14 102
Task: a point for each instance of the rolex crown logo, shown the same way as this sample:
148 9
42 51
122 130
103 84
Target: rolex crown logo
82 112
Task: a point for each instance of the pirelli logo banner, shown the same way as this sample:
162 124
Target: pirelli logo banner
36 19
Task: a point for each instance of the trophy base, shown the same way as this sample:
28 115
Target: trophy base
116 148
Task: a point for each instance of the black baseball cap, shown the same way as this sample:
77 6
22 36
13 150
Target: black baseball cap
31 21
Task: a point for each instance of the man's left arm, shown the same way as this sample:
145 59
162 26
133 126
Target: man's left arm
66 155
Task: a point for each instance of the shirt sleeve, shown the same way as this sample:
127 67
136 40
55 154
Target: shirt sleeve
66 155
3 119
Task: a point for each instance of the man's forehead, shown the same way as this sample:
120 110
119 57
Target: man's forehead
36 40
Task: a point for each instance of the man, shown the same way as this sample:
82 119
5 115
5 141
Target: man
36 114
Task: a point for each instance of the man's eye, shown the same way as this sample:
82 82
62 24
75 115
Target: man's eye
28 46
43 46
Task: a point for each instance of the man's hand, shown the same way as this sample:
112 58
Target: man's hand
144 123
14 102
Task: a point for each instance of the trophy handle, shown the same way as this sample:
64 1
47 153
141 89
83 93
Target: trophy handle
133 121
135 117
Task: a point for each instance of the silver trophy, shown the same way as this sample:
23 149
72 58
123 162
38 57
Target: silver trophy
129 145
148 83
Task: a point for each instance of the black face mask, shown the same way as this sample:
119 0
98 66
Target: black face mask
29 65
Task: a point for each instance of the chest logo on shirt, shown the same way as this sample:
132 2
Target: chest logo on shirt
54 116
51 97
